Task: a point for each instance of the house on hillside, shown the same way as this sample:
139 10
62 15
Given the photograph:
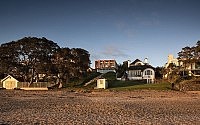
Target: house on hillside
9 82
186 67
104 66
171 60
190 68
139 70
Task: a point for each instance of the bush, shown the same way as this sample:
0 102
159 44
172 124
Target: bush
90 77
110 76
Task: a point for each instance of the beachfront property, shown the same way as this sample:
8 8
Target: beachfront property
9 82
191 68
104 66
171 60
139 70
186 67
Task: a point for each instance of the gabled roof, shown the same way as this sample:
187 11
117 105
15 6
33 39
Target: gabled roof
8 76
134 62
140 67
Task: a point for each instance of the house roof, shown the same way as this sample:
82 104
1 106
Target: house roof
140 67
134 62
8 76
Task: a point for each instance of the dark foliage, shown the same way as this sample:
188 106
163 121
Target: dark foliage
34 59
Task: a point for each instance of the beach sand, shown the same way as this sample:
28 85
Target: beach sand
62 107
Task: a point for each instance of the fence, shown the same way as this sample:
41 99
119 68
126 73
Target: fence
1 84
34 85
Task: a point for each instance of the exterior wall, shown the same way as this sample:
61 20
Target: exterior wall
171 59
135 75
105 70
10 83
102 83
191 66
135 78
139 63
149 75
105 64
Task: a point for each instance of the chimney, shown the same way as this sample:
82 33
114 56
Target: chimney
129 62
146 61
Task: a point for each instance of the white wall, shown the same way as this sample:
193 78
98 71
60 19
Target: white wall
102 83
10 79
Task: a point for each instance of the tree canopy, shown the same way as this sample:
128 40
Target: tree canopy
30 56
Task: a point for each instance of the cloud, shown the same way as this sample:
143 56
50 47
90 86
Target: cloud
114 52
109 52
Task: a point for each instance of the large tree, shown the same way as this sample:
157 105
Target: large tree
62 63
29 56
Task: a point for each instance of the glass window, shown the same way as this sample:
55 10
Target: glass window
148 72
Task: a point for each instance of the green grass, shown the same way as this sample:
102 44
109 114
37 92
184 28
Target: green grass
136 85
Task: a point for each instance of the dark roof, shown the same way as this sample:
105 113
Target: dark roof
140 67
137 60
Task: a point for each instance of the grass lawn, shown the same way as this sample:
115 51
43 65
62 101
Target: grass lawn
114 84
138 85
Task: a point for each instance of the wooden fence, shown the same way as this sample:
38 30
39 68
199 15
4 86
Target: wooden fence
34 85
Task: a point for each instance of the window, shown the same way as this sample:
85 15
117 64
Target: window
148 72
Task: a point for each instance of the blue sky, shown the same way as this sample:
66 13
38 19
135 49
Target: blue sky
108 29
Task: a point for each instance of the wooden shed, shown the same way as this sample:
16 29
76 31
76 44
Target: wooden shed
9 82
102 83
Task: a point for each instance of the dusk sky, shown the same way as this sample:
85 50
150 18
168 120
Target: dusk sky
108 29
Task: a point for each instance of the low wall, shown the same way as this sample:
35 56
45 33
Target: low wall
34 88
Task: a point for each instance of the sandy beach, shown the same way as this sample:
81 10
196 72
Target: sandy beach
62 107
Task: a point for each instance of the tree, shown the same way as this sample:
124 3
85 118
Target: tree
159 72
197 50
185 56
28 56
62 65
8 58
70 64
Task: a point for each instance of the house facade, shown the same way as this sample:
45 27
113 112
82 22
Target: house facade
9 82
186 67
171 59
139 70
191 68
104 66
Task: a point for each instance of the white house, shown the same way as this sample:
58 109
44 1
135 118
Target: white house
171 59
102 83
9 82
139 70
